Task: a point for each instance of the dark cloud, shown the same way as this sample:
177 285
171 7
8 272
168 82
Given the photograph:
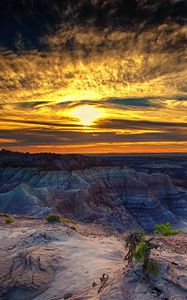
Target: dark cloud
29 105
142 102
108 124
47 137
25 22
138 102
72 104
42 123
181 97
142 40
140 124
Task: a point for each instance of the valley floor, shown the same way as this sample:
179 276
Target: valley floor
66 261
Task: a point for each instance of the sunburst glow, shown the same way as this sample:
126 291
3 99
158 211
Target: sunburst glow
87 114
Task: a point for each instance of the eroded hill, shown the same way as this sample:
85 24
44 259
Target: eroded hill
89 189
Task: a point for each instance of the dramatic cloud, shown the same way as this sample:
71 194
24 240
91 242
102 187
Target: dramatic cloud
125 58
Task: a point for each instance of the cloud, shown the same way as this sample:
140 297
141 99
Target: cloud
133 101
141 124
125 57
111 61
41 123
30 105
136 102
40 137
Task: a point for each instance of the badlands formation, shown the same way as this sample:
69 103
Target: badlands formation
90 190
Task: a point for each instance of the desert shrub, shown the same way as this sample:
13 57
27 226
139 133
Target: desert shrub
9 220
142 254
153 267
140 251
132 240
53 218
166 229
134 235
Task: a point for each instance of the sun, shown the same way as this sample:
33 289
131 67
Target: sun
87 114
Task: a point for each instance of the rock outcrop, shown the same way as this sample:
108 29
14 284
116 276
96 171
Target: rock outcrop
39 261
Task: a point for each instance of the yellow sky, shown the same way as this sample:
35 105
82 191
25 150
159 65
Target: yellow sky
118 99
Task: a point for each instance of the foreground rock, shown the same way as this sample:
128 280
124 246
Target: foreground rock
44 262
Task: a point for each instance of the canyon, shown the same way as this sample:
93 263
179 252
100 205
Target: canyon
91 190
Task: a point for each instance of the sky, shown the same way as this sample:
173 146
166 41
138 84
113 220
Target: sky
93 76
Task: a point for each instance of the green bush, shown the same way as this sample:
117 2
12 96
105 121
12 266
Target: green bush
135 235
9 220
166 229
153 267
53 218
140 251
140 254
